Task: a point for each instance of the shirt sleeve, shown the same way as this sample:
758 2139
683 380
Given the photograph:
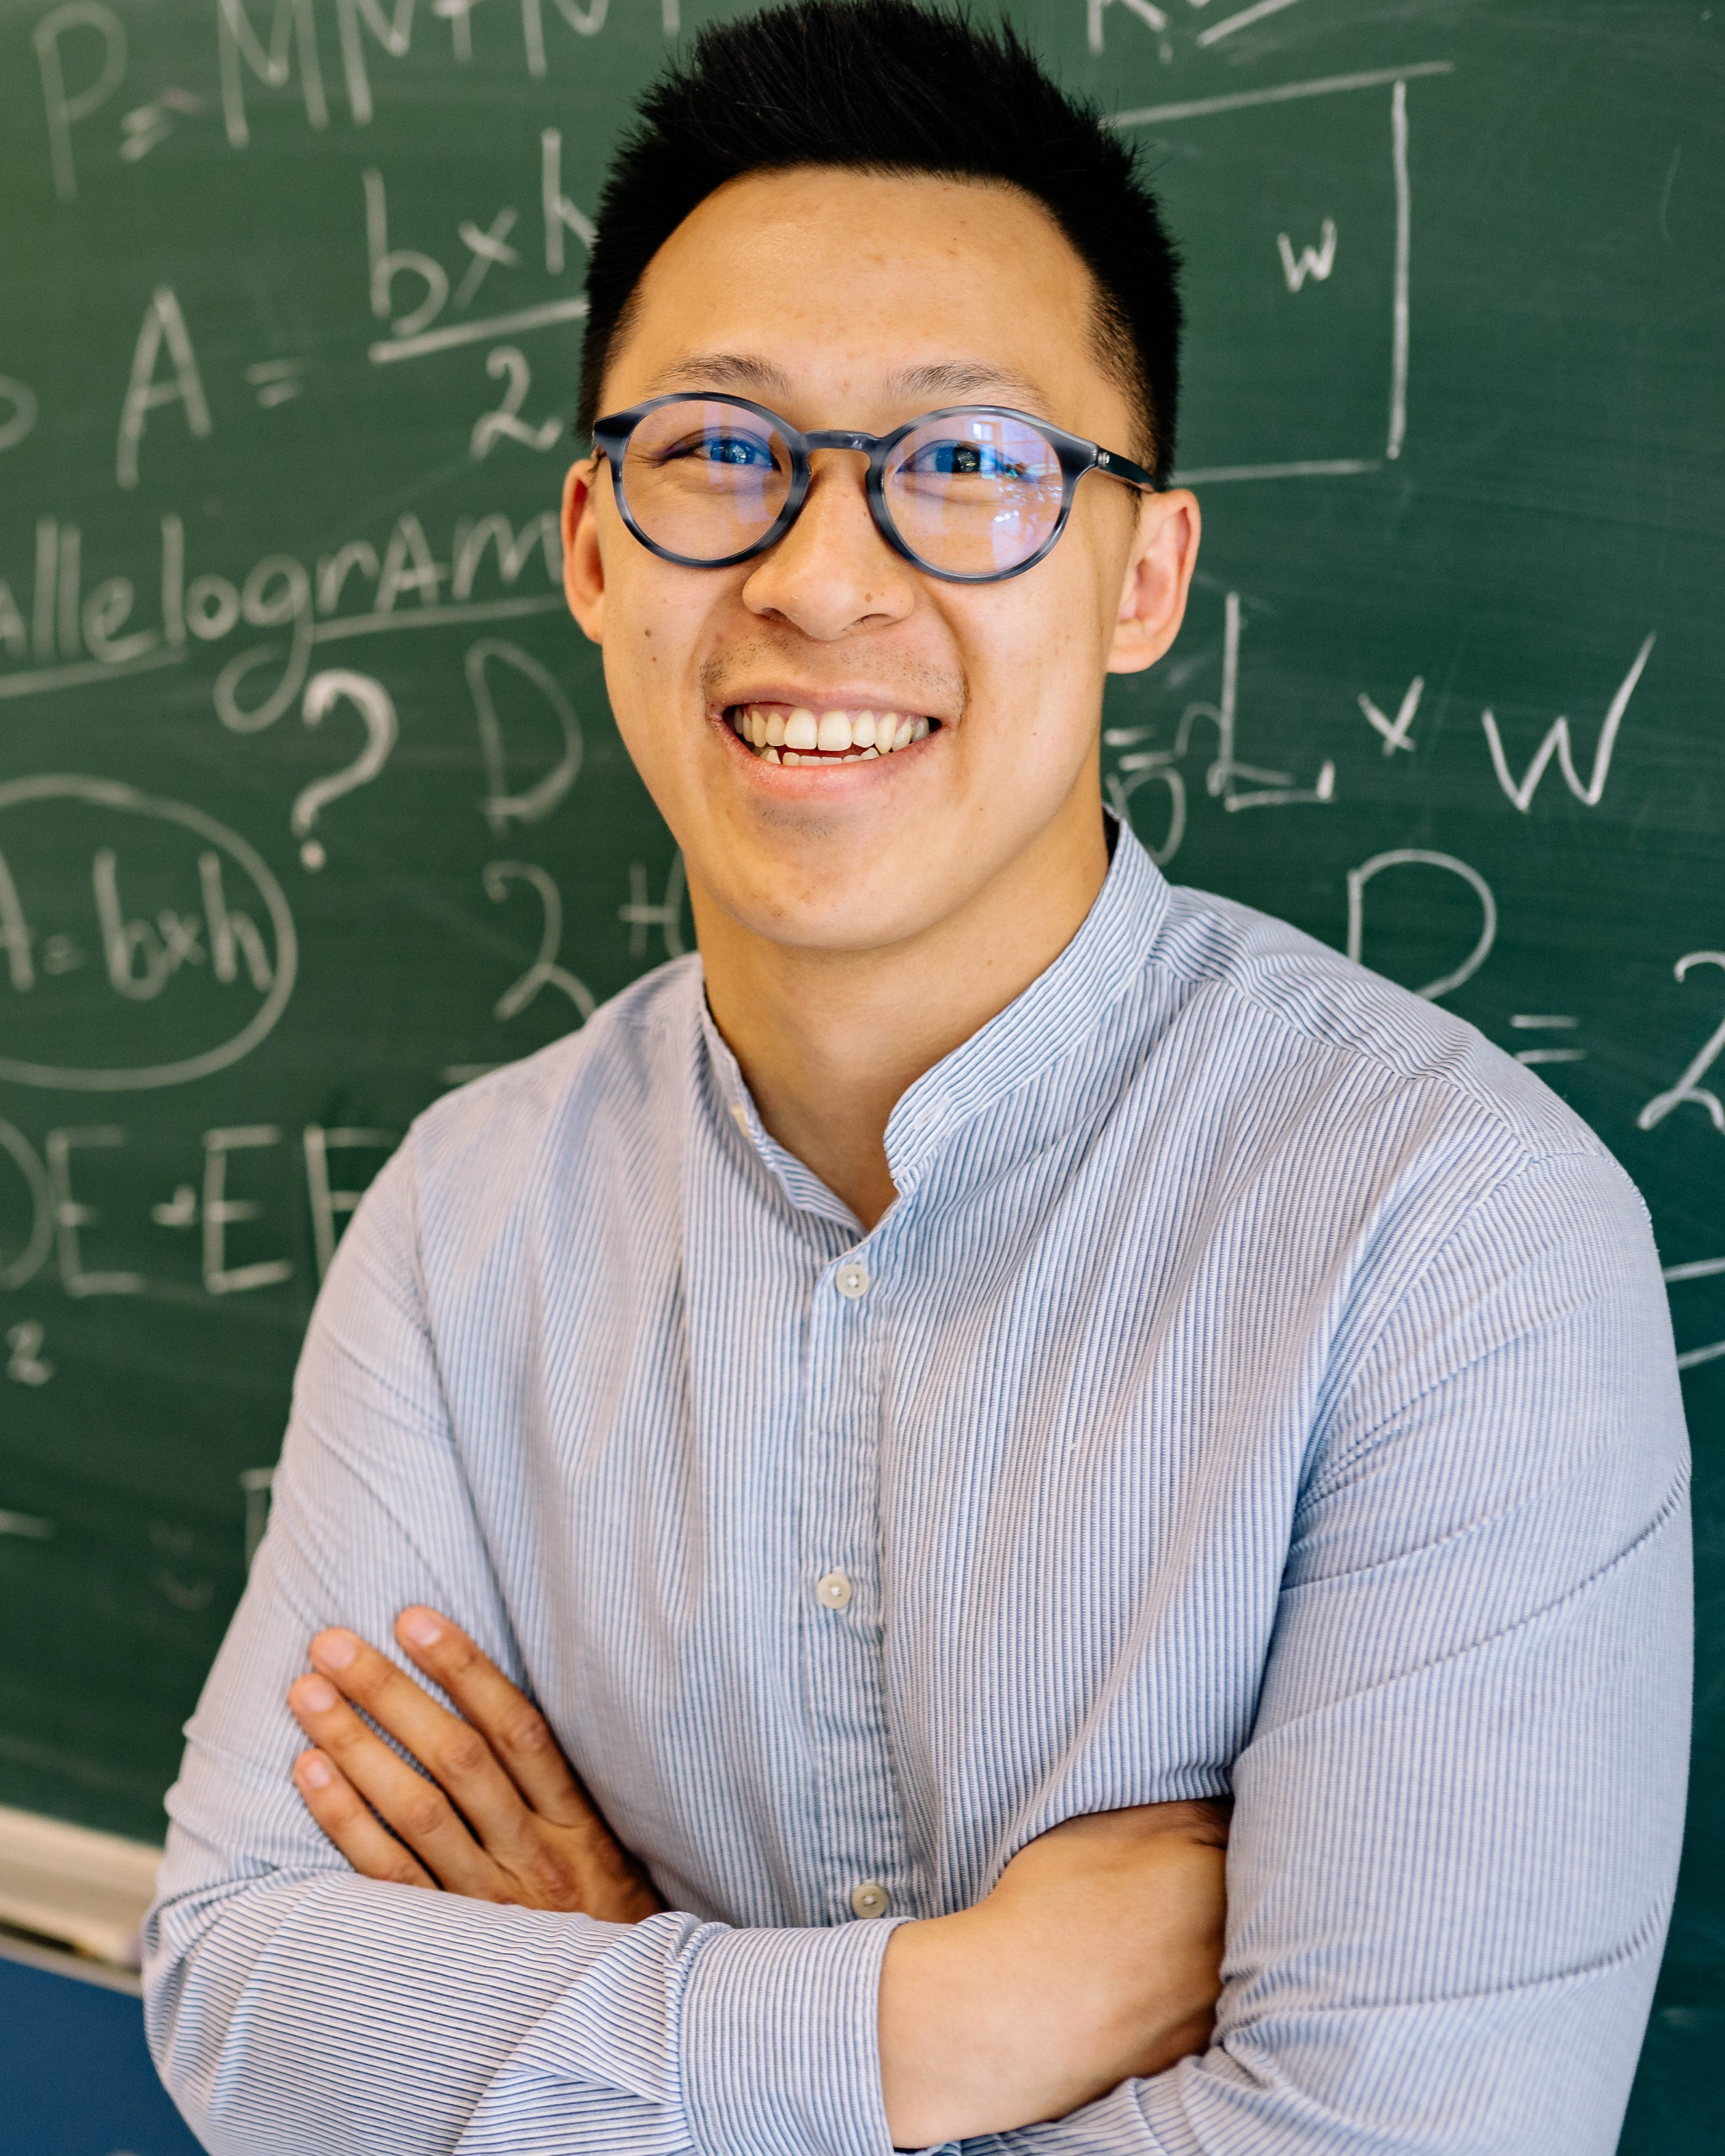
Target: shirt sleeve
293 2007
1459 1815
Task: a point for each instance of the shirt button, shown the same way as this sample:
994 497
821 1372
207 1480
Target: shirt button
851 1280
870 1899
834 1588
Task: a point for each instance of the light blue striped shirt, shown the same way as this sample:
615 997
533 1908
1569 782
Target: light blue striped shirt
1260 1383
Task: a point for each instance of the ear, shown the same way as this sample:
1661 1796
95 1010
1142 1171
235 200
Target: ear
583 564
1158 575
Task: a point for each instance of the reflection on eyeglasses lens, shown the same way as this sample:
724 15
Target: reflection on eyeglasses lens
972 493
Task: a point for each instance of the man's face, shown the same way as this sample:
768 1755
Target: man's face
841 299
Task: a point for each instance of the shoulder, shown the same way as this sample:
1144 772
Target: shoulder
628 1066
1269 988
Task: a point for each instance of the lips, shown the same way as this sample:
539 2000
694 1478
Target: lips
797 735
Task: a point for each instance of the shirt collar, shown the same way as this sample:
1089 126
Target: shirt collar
1059 1009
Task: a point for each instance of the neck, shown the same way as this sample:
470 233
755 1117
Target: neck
829 1040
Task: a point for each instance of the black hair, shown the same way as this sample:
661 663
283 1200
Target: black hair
891 87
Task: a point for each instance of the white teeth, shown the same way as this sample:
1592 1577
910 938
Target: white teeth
805 737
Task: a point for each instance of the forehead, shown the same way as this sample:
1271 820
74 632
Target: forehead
851 284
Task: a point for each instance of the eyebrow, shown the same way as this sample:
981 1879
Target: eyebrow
723 370
941 379
967 377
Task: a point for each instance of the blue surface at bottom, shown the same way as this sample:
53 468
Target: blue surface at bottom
75 2076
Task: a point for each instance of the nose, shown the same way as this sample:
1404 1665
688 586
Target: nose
832 571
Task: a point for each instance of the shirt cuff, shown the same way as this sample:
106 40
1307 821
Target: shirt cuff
1114 2125
780 2042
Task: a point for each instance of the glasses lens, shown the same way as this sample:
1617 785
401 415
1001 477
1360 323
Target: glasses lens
706 479
975 494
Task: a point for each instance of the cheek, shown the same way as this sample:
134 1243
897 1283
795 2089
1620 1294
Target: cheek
1040 639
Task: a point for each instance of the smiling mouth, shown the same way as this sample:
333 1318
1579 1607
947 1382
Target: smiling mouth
781 733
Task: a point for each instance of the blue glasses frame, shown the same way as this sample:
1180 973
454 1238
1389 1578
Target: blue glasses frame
1077 456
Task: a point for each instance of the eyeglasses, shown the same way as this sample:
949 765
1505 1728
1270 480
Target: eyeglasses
972 493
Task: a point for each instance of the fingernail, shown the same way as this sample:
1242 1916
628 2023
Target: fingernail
334 1650
315 1695
314 1771
420 1627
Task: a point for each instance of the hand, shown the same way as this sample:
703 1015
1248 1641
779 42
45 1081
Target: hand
1096 1958
520 1827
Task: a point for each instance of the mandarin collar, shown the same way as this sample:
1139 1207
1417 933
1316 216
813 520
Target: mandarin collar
1049 1019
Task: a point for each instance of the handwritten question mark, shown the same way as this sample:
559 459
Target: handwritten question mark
371 699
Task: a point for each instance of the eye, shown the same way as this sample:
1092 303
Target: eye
708 447
966 459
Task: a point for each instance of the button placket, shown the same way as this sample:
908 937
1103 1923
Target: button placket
860 1836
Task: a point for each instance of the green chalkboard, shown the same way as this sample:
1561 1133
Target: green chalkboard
310 804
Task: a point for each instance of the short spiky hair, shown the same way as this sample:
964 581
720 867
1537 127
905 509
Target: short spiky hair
888 87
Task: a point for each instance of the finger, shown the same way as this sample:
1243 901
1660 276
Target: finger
453 1753
415 1810
350 1823
517 1731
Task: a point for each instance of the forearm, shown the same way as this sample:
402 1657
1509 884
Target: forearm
1459 1815
320 2014
323 2012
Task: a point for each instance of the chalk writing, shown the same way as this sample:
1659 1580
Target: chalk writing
1396 731
30 1526
255 1483
1557 743
39 1241
20 420
643 916
1417 856
1698 1268
371 701
1688 1088
220 1212
505 424
1153 16
501 807
62 107
331 1203
1529 1022
142 955
147 127
71 1216
26 1364
1320 261
486 248
544 972
177 1543
1313 261
412 336
163 323
276 381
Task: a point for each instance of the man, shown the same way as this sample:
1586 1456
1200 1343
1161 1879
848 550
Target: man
996 1354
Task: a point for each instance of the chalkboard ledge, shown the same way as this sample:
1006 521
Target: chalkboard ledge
72 1885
